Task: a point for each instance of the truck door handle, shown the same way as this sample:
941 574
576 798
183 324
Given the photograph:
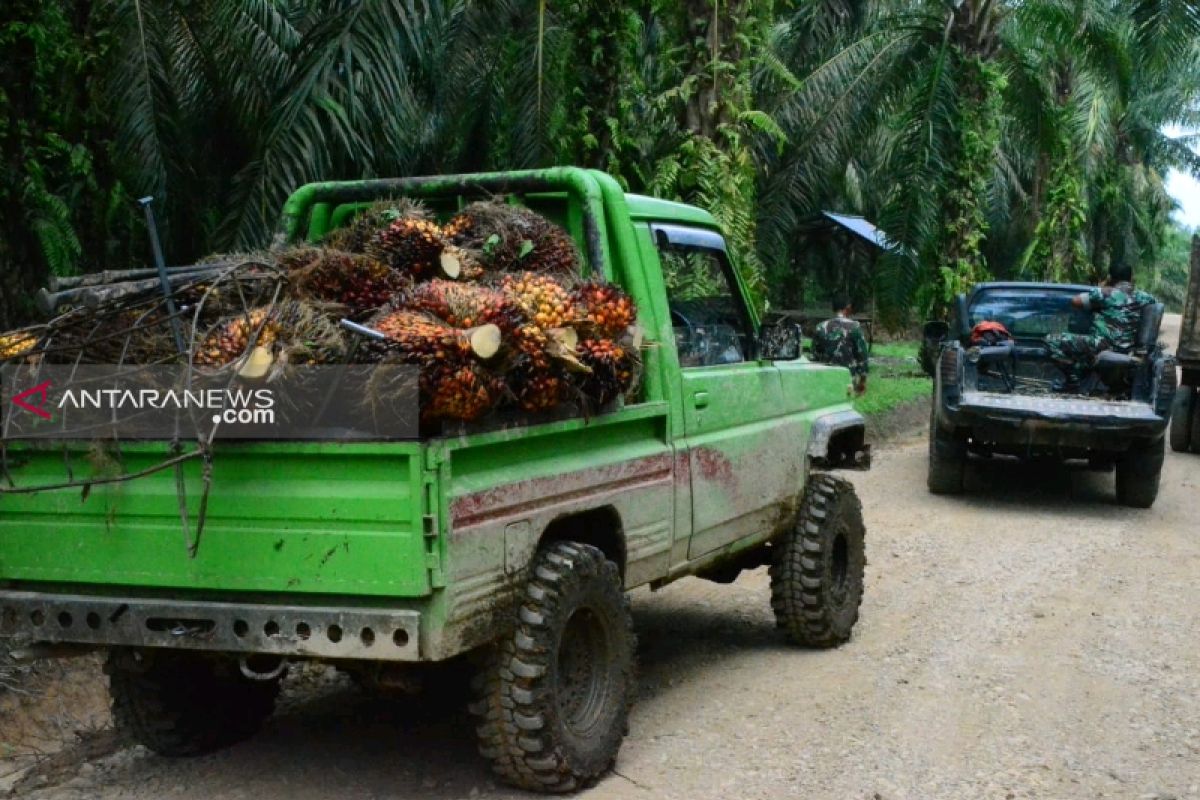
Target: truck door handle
700 399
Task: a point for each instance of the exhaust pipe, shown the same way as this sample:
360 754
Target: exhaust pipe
262 668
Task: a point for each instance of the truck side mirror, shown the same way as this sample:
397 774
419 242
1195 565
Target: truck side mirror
779 340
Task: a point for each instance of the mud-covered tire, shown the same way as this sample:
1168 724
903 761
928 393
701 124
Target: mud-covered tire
552 698
185 704
817 566
1138 473
1196 423
947 460
1181 418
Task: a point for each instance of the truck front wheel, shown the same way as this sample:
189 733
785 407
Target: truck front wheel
1138 473
185 704
553 697
817 566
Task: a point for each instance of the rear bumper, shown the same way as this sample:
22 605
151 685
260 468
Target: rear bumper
302 631
1053 422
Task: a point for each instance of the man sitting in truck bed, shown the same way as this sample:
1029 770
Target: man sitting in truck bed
1116 308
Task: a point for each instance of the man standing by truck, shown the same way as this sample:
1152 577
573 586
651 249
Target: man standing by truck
840 341
1116 308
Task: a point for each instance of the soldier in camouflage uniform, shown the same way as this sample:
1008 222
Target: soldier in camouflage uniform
1116 313
840 341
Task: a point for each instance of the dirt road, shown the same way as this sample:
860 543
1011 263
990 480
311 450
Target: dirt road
1031 639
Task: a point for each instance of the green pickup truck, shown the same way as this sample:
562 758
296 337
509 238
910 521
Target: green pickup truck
510 549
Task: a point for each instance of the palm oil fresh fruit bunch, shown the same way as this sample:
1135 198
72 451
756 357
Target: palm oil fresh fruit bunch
512 238
229 340
16 344
349 279
356 236
412 246
423 339
607 310
537 387
611 369
457 391
545 301
419 338
465 305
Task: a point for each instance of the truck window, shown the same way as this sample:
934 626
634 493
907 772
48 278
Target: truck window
710 322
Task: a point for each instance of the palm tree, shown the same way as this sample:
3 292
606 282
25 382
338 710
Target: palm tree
918 83
227 106
1030 133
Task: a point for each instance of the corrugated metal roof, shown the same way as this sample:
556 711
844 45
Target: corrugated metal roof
865 229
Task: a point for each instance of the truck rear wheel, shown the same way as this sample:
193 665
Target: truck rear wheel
553 698
817 566
1138 473
947 460
1196 421
185 704
1181 419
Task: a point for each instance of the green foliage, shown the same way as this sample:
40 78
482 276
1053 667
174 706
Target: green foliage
958 254
1167 276
56 179
1067 166
986 137
1058 252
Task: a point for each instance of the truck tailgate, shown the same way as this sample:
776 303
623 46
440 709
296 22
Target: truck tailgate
318 518
1050 408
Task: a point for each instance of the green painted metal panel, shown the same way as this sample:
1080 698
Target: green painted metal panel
642 207
557 448
327 519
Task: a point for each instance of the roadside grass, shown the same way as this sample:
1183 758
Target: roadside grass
895 380
898 350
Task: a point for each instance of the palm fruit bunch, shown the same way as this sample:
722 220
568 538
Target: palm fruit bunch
412 246
229 339
349 279
611 369
544 300
16 344
423 339
537 387
459 230
355 237
465 305
532 342
307 335
513 239
420 338
607 309
457 390
554 252
459 262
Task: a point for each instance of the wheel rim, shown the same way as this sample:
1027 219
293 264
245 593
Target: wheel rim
839 568
584 681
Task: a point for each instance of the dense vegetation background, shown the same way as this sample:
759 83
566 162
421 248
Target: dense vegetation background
988 137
